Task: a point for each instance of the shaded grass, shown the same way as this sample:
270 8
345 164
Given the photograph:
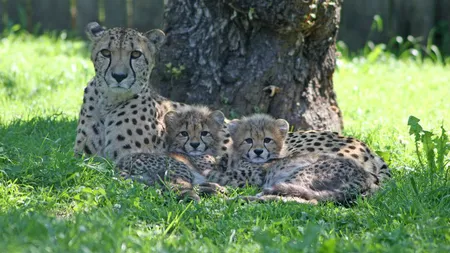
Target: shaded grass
52 202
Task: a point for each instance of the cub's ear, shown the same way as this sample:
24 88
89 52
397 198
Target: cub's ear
218 117
170 117
156 37
283 126
232 126
94 31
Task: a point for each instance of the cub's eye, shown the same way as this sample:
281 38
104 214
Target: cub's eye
184 133
204 133
249 140
267 140
135 54
106 53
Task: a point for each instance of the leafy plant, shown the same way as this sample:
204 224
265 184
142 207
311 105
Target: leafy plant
174 71
435 148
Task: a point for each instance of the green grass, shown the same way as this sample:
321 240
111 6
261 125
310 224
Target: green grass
52 202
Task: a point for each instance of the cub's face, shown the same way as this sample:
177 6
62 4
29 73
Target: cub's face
258 138
123 58
194 131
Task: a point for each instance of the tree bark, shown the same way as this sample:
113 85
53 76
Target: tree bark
223 53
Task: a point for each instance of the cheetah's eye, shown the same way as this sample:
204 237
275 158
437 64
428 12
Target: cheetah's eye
184 133
249 140
205 133
267 140
106 53
135 54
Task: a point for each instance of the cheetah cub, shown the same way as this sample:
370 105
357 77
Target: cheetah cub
306 176
257 140
195 135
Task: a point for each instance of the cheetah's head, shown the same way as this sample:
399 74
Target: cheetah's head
123 58
195 130
258 138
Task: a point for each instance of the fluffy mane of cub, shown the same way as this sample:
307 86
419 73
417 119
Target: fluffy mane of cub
258 138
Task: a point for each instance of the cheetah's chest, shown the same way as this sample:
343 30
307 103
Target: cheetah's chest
135 126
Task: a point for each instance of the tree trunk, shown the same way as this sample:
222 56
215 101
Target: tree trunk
223 53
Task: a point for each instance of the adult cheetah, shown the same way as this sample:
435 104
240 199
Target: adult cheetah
121 114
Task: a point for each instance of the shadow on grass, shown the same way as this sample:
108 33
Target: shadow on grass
38 151
8 82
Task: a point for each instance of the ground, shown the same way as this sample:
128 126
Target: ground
53 202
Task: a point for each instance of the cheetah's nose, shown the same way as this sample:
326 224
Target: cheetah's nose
258 152
119 77
195 144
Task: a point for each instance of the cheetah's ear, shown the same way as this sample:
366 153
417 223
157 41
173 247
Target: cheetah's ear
170 117
232 126
156 37
283 126
218 117
94 31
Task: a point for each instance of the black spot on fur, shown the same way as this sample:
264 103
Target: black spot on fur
310 149
87 150
139 131
120 137
94 128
